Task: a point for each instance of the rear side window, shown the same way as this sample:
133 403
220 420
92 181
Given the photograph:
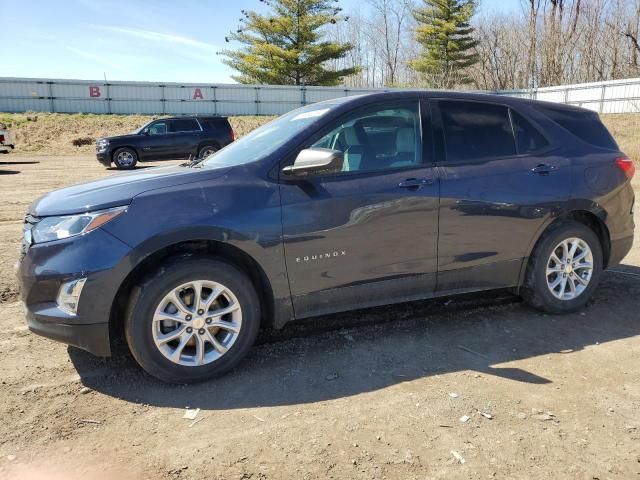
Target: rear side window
476 130
528 138
584 125
183 125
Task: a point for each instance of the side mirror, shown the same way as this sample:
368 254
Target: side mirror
316 160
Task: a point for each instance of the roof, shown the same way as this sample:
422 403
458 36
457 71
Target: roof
182 117
451 94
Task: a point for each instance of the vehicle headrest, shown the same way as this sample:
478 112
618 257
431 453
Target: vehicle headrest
405 140
351 136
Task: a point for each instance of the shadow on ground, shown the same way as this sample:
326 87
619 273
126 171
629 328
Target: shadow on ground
386 346
137 167
18 163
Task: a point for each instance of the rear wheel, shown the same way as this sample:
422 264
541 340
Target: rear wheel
194 319
565 269
125 158
207 150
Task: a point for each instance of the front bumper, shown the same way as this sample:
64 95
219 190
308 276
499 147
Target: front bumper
94 338
104 158
44 267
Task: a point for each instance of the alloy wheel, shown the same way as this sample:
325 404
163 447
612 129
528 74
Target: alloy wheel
196 323
569 268
207 152
125 159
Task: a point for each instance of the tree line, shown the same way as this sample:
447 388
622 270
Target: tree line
437 43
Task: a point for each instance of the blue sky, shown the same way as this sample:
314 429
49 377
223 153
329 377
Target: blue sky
154 40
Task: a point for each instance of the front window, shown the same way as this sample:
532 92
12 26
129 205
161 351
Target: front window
158 128
268 138
379 138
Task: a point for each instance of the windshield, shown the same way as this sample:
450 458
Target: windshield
139 130
266 139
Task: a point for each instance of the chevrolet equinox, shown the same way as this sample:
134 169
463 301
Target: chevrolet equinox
339 205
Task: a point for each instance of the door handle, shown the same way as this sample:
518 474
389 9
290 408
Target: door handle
544 169
415 183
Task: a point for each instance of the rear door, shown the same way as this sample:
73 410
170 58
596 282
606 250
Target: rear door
366 235
501 179
185 134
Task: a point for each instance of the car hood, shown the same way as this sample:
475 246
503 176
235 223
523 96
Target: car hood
116 190
121 137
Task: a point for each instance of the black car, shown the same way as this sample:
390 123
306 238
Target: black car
166 138
345 204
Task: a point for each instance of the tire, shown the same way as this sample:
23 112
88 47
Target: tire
207 150
538 290
125 158
142 332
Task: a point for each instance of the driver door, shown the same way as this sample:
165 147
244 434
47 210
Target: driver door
156 142
365 235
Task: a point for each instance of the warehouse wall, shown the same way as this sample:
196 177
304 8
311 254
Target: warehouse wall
93 96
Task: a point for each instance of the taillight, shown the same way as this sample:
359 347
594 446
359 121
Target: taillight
233 135
1 138
626 165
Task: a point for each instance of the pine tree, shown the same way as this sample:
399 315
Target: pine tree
286 46
447 40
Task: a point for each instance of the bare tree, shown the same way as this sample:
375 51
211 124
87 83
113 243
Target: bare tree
547 42
389 21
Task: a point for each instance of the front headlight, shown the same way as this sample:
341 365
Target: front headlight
101 145
56 228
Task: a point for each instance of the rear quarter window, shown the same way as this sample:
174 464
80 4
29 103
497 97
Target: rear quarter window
528 138
584 125
215 123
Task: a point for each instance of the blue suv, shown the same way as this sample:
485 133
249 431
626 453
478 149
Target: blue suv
345 204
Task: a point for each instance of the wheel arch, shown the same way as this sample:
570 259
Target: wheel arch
591 218
204 143
197 246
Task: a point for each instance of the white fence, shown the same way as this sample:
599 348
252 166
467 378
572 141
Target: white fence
615 96
88 96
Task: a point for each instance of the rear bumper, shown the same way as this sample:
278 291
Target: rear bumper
5 147
619 250
94 338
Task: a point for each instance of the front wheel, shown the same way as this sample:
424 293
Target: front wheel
194 319
565 269
125 158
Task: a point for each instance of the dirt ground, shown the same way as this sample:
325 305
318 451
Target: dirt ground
378 393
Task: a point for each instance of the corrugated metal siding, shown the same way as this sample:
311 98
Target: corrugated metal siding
93 96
